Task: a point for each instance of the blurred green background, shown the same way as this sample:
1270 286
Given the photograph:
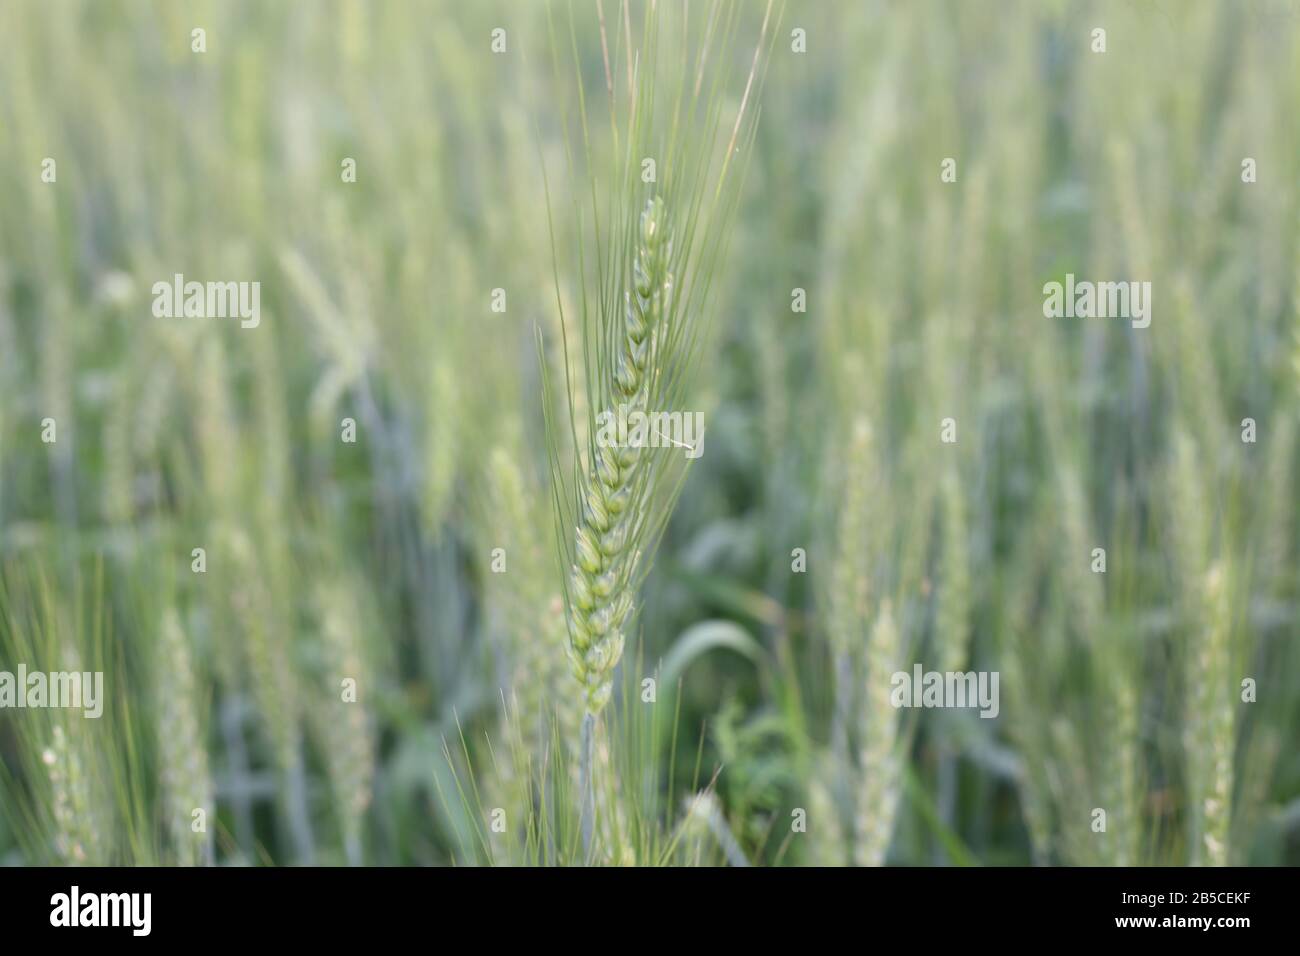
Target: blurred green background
329 560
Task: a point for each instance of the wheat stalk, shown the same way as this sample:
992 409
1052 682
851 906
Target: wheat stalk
952 615
879 757
538 708
1209 715
270 668
603 575
187 784
643 306
850 590
76 819
1211 724
600 581
703 809
534 613
350 757
1295 350
825 829
444 440
645 316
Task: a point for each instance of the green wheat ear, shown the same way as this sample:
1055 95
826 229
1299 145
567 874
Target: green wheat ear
601 592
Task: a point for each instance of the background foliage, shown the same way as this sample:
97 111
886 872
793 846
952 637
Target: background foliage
373 560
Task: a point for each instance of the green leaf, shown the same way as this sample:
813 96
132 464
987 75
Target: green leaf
701 638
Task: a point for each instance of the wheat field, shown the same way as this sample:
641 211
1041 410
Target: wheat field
650 433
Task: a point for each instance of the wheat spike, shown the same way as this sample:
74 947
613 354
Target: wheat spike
187 784
77 830
879 759
600 590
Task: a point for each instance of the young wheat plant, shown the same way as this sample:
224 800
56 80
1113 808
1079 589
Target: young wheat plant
645 316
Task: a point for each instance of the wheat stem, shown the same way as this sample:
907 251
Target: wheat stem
586 790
